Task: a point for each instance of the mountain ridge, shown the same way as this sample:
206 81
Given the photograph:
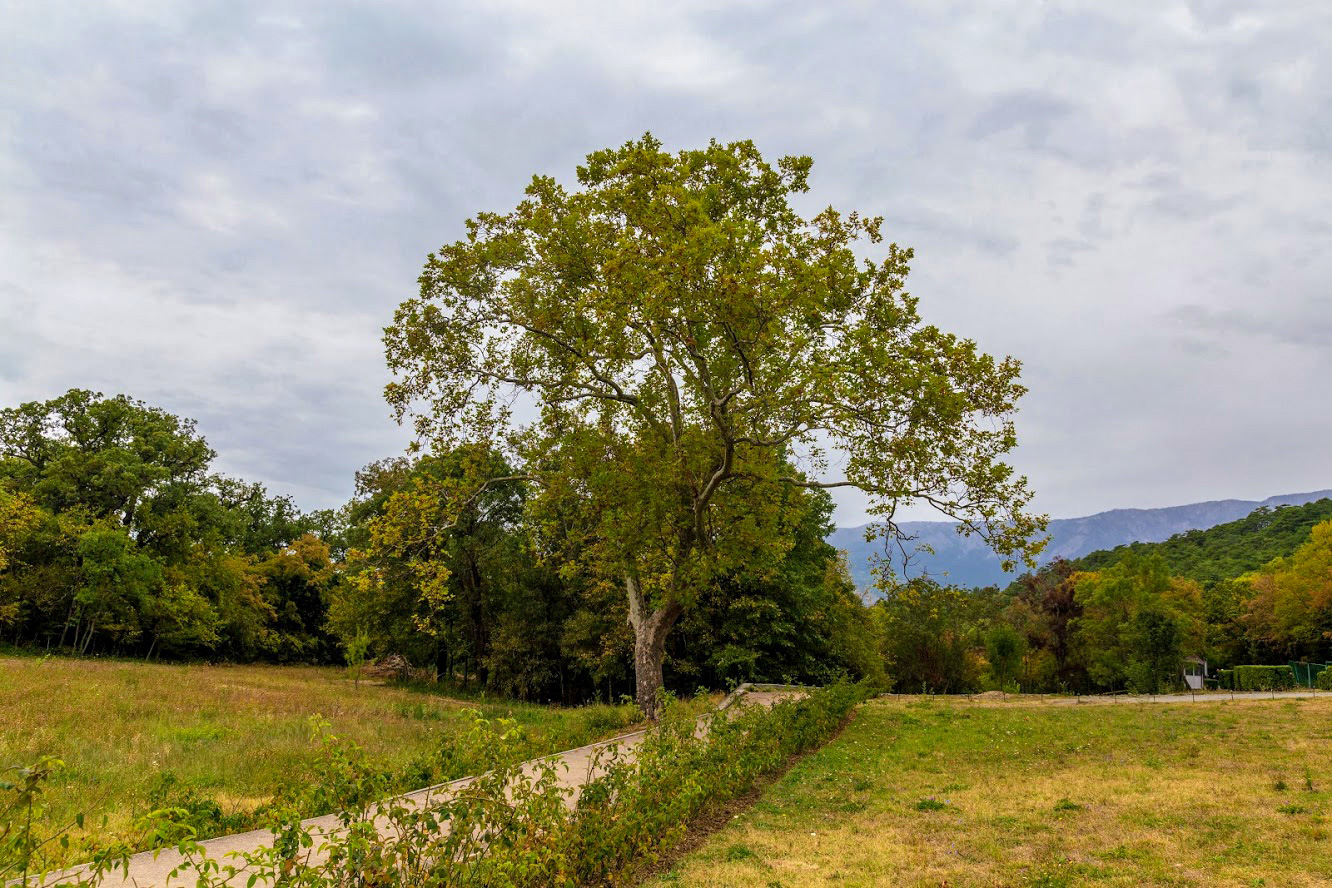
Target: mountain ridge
967 561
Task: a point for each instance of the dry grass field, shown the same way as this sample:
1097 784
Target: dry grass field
941 793
233 734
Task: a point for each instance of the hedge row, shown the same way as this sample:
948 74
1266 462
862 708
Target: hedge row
1264 678
1323 680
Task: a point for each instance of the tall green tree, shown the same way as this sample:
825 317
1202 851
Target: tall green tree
681 330
1138 623
107 456
933 635
19 517
1048 597
1004 649
437 601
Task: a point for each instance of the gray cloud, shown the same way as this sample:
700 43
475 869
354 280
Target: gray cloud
216 206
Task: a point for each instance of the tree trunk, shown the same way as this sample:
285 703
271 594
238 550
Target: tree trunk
477 617
650 628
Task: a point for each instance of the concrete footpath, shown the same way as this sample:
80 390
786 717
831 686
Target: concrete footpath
576 767
998 698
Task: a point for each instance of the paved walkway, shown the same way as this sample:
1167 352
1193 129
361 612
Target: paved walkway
576 768
995 698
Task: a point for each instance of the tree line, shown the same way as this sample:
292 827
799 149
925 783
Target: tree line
1253 591
116 538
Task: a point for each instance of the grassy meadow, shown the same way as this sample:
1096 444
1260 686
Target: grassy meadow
937 792
235 734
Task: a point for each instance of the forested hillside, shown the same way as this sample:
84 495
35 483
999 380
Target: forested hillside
1226 550
966 561
1253 591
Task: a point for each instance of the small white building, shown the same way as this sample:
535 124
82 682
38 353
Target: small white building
1195 673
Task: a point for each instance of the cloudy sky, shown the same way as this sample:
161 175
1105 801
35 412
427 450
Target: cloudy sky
216 206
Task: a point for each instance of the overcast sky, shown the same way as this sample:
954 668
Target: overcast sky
215 207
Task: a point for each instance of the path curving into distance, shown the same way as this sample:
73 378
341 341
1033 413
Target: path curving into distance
577 767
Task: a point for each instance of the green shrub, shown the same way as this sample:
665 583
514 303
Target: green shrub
511 826
1323 680
28 836
189 806
1264 678
1225 679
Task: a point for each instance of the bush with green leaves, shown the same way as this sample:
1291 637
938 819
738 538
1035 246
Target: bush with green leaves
1264 678
28 835
1323 680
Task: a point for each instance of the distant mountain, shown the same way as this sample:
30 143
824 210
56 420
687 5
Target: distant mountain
963 561
1227 550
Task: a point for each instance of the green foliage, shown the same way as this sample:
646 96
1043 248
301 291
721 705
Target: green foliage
1279 611
355 649
1288 614
512 825
518 615
114 538
1264 678
23 827
805 625
1227 550
191 808
1323 680
932 635
1138 624
684 330
31 842
1004 648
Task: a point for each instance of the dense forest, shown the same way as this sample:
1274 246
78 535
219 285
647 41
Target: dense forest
116 538
1257 590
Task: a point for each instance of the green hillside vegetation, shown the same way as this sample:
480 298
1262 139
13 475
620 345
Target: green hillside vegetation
1227 550
1129 618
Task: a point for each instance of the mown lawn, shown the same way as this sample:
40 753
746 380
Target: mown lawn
935 792
235 734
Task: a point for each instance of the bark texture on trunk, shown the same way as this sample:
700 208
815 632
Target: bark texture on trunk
650 627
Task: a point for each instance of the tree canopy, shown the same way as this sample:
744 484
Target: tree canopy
116 537
672 350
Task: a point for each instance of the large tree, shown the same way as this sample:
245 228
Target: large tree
660 343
